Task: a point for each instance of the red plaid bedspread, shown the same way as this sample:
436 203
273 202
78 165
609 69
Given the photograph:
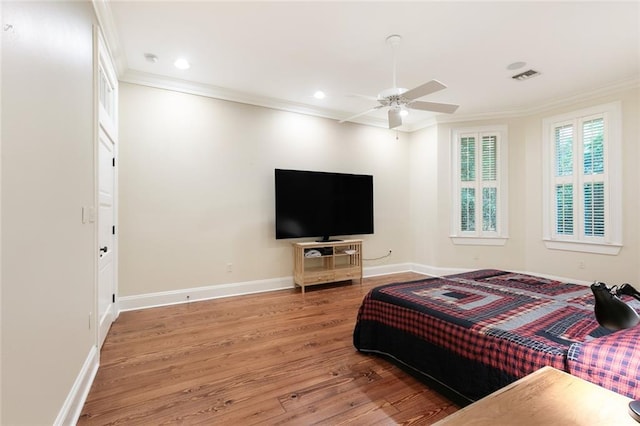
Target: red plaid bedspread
612 361
512 322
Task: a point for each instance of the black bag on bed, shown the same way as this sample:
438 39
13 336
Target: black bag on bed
611 312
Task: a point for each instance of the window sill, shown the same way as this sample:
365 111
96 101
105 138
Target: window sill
479 241
610 249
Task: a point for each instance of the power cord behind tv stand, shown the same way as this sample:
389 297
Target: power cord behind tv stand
378 258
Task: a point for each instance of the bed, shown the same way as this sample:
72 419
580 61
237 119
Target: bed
470 334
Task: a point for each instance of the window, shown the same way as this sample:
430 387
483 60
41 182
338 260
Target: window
479 197
582 180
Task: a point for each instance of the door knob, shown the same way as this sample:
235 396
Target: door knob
104 249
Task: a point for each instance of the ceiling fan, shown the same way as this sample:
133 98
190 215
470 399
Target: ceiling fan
398 99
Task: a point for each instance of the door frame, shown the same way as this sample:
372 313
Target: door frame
102 57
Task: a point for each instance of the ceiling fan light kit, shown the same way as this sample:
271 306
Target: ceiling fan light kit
399 99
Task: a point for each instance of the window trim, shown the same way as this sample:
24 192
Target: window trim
479 237
611 243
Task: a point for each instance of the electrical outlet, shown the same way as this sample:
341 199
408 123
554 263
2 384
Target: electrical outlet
229 267
581 264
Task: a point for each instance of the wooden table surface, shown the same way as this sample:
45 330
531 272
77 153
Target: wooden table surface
546 397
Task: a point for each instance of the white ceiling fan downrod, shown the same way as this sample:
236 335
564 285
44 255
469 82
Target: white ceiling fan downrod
394 41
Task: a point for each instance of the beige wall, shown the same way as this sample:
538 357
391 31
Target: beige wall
197 192
196 187
47 170
424 199
1 328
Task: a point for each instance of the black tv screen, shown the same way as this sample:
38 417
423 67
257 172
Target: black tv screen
321 204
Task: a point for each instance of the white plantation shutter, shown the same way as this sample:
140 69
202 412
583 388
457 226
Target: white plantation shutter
564 209
593 171
593 151
594 209
477 178
563 160
489 209
564 150
489 184
589 177
468 209
580 189
468 159
489 157
467 179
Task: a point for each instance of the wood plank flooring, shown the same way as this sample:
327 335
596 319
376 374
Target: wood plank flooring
277 358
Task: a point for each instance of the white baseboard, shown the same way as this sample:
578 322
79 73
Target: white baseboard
72 407
374 271
152 300
435 271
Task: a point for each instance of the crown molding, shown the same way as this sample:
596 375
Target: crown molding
629 83
207 90
551 104
201 89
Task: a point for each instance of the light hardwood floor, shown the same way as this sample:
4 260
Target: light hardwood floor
271 358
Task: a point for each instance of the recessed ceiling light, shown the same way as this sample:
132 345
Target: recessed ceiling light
516 65
182 64
150 57
319 94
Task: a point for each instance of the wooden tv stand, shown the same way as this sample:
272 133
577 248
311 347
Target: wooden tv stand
338 261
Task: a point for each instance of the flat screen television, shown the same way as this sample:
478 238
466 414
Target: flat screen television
321 204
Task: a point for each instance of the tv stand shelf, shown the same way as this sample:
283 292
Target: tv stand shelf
337 261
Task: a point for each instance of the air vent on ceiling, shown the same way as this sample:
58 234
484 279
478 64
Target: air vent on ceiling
525 75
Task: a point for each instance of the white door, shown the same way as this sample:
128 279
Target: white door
107 100
106 235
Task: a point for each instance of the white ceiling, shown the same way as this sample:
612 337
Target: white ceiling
279 53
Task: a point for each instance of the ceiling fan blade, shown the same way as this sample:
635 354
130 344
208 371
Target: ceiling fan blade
433 106
425 89
360 113
395 119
